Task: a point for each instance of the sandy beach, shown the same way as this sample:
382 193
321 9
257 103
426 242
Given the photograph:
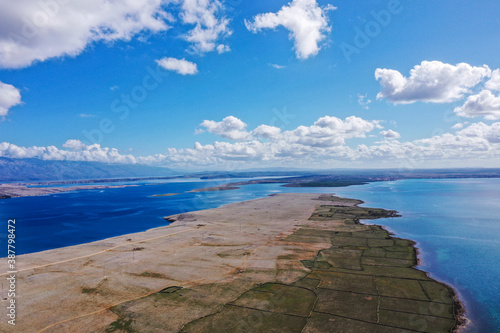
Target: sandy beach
285 263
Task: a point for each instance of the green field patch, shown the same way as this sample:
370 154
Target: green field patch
380 242
345 282
403 242
348 241
282 298
236 319
315 264
416 322
387 262
437 292
320 323
403 288
396 272
402 255
418 307
372 234
397 248
346 304
374 252
307 283
341 258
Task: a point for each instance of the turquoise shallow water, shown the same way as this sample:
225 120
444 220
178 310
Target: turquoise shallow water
456 224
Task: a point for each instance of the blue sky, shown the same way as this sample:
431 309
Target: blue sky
273 69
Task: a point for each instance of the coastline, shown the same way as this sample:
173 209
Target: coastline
206 253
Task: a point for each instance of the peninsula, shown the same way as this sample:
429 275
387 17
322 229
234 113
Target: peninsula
285 263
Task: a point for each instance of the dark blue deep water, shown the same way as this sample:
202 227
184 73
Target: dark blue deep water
456 224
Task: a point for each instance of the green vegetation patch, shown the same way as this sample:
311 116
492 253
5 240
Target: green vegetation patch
121 325
237 319
416 322
307 283
340 212
278 298
404 288
315 264
375 252
387 262
349 241
346 304
437 292
153 275
345 282
419 307
320 323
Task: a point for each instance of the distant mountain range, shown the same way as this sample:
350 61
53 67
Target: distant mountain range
32 169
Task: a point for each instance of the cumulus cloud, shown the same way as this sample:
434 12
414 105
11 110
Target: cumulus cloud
306 21
326 131
78 151
485 104
494 82
210 24
229 128
267 132
181 66
320 144
431 81
37 30
330 131
9 97
390 134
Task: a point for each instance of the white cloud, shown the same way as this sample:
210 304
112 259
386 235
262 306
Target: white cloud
390 134
494 82
329 131
364 101
9 97
277 66
33 31
326 131
303 146
431 81
267 132
78 151
306 21
86 115
74 145
222 48
39 30
210 24
230 128
181 66
484 104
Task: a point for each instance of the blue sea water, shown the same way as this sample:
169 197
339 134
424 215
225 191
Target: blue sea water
456 224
